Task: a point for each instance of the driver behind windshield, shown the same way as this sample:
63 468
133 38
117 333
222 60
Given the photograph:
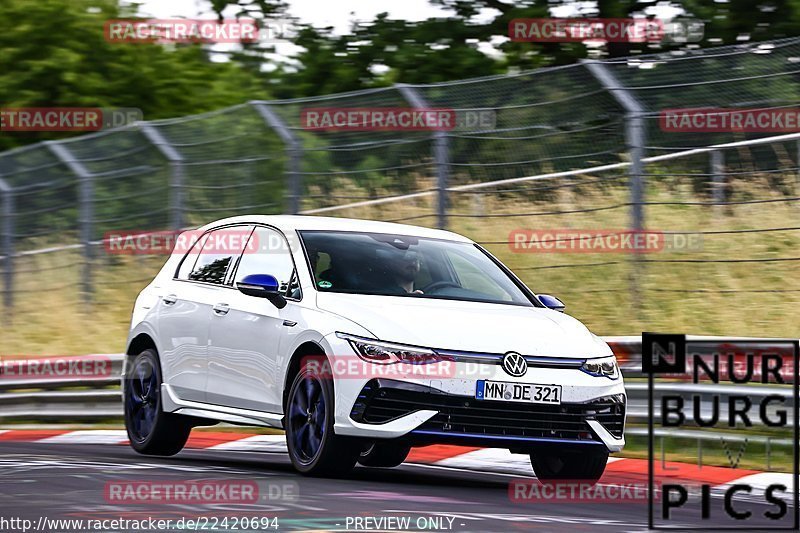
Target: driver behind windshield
402 267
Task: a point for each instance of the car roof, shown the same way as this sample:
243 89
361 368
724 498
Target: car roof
288 223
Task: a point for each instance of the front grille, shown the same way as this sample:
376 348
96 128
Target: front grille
378 404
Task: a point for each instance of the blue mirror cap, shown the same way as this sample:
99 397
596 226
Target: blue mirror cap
264 282
551 301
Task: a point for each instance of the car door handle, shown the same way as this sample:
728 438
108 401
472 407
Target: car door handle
289 323
221 309
169 299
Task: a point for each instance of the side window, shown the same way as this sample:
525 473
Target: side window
268 253
321 263
220 248
189 260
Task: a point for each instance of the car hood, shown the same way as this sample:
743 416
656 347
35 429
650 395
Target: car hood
467 326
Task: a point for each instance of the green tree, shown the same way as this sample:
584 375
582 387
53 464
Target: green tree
387 50
54 53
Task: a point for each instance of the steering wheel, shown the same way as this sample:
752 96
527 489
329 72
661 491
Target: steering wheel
436 285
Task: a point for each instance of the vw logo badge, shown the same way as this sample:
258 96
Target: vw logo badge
514 364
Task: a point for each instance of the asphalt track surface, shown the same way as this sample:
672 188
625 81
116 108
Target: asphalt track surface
68 481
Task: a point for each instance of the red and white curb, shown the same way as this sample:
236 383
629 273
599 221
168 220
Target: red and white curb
489 460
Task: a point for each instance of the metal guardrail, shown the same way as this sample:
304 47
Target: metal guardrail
62 405
99 398
62 398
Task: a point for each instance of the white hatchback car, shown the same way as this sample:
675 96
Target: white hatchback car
363 339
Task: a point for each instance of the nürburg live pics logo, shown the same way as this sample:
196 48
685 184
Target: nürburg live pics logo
723 409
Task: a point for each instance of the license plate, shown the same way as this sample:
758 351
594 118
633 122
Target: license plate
518 392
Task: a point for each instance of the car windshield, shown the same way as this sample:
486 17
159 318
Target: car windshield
402 265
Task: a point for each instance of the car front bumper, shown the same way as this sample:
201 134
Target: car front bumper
440 406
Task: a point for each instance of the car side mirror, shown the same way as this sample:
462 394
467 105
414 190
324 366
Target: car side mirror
262 286
551 302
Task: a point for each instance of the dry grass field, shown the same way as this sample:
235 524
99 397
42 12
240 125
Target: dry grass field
719 298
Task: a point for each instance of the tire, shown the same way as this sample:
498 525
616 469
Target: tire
384 454
562 464
314 448
151 431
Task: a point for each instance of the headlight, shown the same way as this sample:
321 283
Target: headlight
387 353
606 366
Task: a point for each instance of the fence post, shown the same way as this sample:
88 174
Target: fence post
441 153
7 243
176 175
635 138
294 152
718 178
86 206
797 171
